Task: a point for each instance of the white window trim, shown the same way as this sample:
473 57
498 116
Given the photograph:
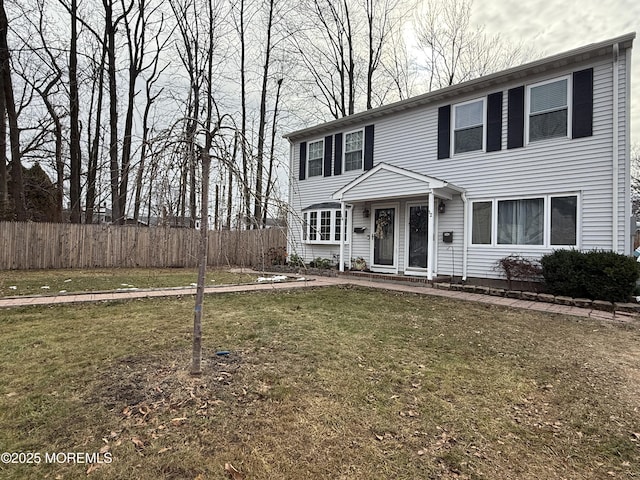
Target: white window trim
546 225
484 126
527 108
321 157
344 151
305 230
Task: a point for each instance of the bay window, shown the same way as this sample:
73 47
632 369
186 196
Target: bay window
323 226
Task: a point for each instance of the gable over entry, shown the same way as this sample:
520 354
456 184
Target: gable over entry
386 182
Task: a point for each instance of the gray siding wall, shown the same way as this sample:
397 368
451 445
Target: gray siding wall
584 166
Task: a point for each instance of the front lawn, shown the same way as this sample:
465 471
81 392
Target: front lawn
321 383
46 282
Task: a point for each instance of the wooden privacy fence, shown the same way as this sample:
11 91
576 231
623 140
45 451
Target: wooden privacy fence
61 245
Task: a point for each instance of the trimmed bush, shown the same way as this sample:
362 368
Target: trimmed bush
598 275
563 272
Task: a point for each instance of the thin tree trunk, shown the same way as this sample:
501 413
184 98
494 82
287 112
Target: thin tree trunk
92 167
243 99
74 112
271 154
4 180
257 209
196 358
16 184
114 168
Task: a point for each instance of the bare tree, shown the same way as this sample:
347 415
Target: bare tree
16 183
151 98
454 49
75 161
5 213
262 120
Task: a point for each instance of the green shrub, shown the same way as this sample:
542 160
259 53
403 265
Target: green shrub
611 276
598 275
320 262
563 272
296 260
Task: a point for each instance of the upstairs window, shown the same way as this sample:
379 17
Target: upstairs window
468 132
549 110
315 158
353 150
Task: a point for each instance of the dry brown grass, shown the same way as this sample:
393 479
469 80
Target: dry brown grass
334 383
45 282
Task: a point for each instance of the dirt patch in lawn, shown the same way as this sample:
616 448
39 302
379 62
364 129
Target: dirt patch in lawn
146 384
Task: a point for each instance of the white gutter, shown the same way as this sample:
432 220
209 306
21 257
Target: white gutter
465 236
616 161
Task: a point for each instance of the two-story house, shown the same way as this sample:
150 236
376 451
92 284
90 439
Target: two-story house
524 161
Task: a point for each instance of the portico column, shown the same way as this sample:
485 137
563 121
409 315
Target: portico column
343 234
431 236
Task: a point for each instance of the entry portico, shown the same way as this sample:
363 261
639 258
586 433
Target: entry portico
381 191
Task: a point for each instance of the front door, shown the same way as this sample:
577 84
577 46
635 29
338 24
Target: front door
384 239
417 238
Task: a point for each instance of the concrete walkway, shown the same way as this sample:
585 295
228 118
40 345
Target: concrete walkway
314 281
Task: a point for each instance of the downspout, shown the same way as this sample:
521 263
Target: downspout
343 234
430 238
615 153
465 236
630 220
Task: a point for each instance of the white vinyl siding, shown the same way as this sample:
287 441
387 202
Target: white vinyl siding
580 167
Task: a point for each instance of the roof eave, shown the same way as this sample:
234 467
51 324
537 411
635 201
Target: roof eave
570 57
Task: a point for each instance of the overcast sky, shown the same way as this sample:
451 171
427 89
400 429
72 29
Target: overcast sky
556 26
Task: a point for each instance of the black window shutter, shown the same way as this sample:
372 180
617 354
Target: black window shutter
368 147
303 160
582 118
337 163
494 122
515 117
444 131
328 147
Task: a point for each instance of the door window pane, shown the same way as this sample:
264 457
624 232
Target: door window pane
383 246
418 236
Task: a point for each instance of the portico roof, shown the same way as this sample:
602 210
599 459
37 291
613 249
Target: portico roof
386 181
